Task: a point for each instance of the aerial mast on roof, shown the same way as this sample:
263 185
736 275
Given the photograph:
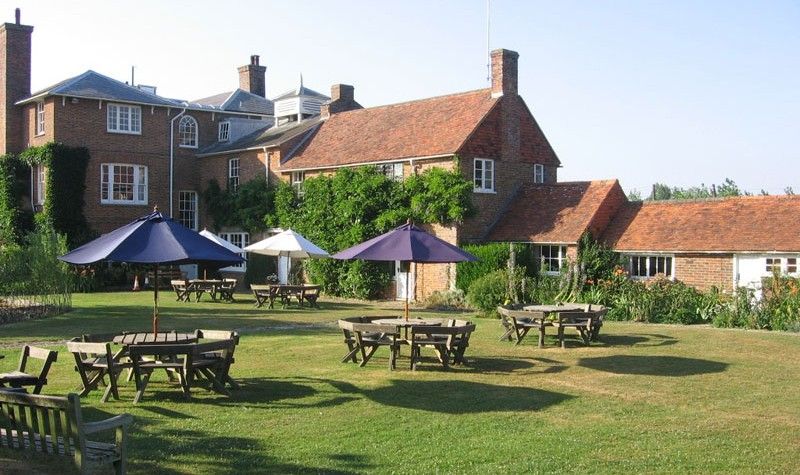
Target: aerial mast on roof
488 47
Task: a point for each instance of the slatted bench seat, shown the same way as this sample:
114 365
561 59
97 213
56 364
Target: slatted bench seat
54 425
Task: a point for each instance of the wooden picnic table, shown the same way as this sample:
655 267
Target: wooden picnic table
271 292
144 338
411 322
548 309
201 286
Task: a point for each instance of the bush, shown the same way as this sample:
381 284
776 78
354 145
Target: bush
489 291
492 257
449 300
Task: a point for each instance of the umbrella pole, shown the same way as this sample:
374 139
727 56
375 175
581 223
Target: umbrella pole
155 302
408 274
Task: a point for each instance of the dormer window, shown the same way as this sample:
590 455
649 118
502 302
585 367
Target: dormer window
538 173
224 131
187 132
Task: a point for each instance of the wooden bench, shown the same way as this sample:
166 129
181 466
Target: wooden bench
54 425
165 276
518 323
22 376
580 321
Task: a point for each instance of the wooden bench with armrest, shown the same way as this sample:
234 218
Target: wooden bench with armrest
54 425
518 323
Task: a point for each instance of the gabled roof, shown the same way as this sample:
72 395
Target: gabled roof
300 91
93 85
238 101
422 128
558 213
265 137
745 223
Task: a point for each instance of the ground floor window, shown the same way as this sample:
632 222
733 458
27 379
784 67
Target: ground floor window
123 184
786 265
241 240
187 209
650 266
552 258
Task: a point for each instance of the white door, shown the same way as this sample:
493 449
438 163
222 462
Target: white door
404 274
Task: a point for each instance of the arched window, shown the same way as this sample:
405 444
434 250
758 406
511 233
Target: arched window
187 132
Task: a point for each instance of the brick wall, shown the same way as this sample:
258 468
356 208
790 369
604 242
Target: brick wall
430 278
704 271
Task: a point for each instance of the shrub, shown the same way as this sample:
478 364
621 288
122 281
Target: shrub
492 257
448 300
489 291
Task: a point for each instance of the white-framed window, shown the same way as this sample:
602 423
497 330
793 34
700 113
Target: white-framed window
39 118
187 132
124 119
187 209
241 240
123 184
393 171
297 181
538 173
233 174
791 265
773 264
41 180
224 131
644 266
552 258
484 175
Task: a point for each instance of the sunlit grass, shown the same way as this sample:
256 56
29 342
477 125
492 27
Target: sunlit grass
647 398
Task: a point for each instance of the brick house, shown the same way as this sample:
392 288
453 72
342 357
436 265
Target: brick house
147 149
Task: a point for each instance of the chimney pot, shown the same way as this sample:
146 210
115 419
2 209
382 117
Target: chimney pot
17 15
504 72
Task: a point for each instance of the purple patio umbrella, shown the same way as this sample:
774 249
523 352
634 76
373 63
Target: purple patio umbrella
406 243
153 239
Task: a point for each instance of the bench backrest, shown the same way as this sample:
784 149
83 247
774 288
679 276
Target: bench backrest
47 424
218 335
48 357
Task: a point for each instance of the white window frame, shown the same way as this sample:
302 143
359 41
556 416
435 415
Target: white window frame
139 172
561 259
538 173
188 132
132 113
648 262
240 239
189 221
40 118
233 174
486 174
795 264
297 181
393 171
41 183
224 133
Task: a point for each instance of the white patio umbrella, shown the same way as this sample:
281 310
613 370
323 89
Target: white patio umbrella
287 244
222 242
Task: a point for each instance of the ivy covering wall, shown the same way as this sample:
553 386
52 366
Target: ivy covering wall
15 220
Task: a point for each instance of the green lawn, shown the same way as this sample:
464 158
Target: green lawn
647 398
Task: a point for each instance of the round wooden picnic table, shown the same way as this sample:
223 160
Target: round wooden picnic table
554 308
411 322
144 338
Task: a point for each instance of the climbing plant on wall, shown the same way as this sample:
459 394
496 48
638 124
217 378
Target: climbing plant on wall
15 220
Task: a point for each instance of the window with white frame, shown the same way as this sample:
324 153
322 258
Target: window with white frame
224 131
791 265
538 173
773 264
241 240
123 184
187 132
297 180
39 118
124 119
484 175
643 266
392 171
41 190
233 174
187 209
552 258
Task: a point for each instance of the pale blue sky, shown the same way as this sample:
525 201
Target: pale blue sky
675 91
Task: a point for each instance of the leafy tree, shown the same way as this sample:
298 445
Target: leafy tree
634 195
244 207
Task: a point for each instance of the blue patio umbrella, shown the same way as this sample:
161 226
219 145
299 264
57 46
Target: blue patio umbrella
406 243
156 240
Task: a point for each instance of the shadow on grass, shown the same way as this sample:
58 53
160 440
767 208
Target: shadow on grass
463 397
653 365
636 340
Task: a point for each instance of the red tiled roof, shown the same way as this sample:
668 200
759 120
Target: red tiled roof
558 213
423 128
748 223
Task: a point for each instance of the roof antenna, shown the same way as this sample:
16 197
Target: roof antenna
488 47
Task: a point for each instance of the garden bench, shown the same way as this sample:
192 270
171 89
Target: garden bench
368 337
217 335
21 378
182 289
54 425
518 323
447 342
346 325
580 321
185 361
226 289
95 361
263 293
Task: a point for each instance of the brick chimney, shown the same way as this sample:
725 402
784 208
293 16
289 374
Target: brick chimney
252 77
504 72
342 99
15 82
